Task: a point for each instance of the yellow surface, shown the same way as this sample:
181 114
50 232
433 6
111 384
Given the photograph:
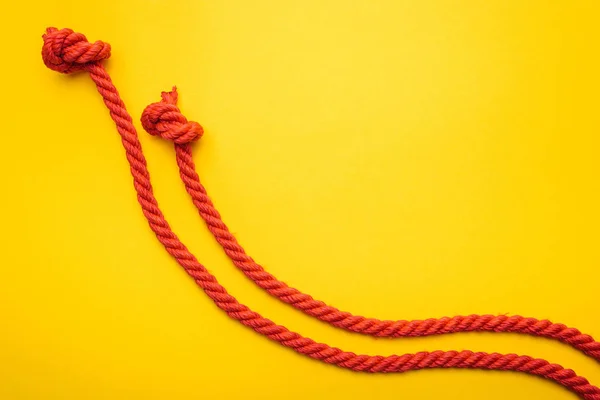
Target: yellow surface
398 159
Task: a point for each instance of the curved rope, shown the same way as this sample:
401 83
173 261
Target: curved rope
165 119
66 51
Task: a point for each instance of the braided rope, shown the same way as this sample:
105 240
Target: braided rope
77 54
319 309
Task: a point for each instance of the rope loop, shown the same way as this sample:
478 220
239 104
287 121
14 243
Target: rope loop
66 51
164 119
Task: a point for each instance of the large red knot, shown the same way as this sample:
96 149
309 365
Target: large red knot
165 120
67 51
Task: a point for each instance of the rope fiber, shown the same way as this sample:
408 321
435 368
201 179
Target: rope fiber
66 51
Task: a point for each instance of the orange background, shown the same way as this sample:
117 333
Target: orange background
397 159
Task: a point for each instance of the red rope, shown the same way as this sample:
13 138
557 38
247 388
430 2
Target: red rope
65 51
164 119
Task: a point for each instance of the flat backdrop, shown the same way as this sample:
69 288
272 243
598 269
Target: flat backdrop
397 159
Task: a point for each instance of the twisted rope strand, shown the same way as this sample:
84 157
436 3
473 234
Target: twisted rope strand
66 51
169 119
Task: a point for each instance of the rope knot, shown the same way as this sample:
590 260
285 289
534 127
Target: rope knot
67 51
165 120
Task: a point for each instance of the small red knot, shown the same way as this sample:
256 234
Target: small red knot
67 51
165 120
